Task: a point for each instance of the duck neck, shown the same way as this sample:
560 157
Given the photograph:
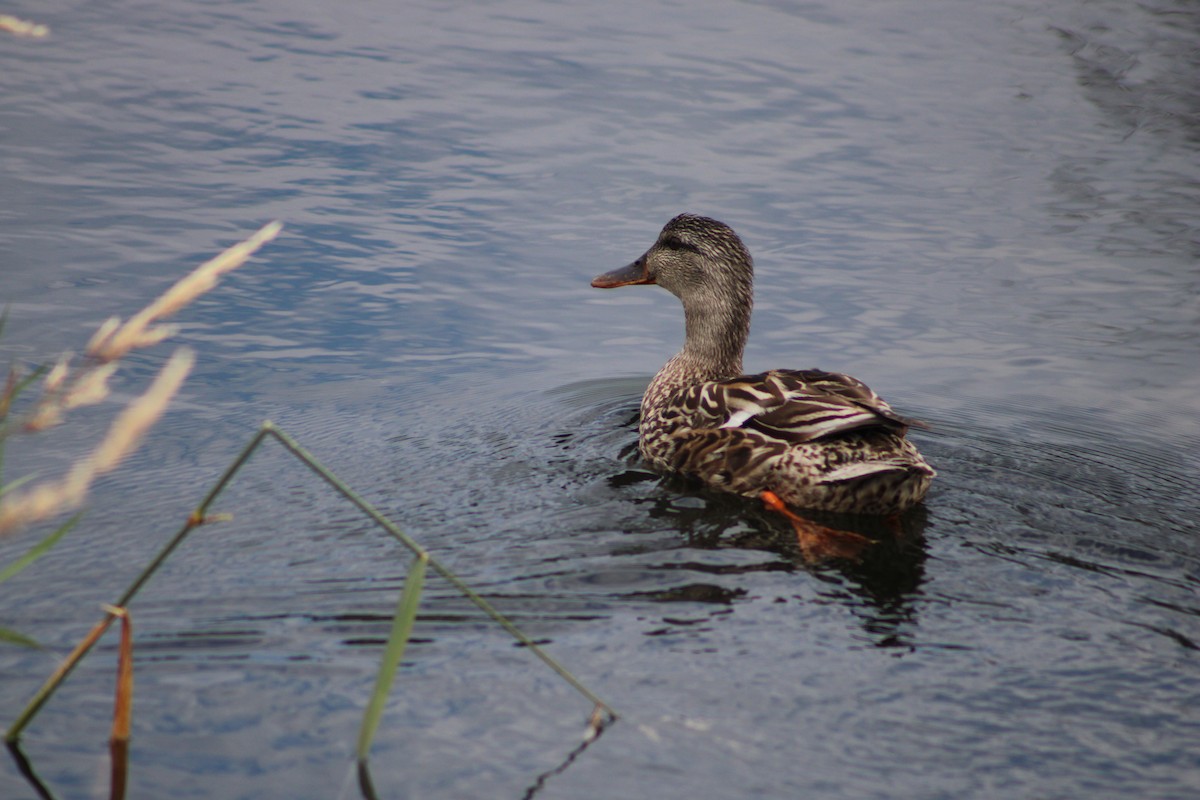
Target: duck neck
716 337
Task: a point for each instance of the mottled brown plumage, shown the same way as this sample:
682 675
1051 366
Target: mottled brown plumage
818 440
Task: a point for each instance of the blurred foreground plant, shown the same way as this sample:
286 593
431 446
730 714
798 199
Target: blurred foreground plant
20 27
402 625
67 386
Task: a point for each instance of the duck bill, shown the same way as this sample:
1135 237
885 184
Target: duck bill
630 275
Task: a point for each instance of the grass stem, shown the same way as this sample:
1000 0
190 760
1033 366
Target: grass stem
401 629
402 625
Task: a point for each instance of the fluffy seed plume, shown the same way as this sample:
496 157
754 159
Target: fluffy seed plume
56 376
91 388
112 342
102 334
54 497
20 27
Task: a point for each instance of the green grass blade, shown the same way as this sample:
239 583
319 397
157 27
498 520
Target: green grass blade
316 466
34 374
13 637
11 392
406 611
21 481
38 550
402 625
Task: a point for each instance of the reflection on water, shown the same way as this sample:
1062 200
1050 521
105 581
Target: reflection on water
985 211
882 583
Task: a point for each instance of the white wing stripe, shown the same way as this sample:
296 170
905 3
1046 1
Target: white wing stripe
738 417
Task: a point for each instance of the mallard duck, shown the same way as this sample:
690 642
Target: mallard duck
804 439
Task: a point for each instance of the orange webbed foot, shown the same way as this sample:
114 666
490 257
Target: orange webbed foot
818 542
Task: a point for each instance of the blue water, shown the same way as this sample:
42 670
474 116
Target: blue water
986 211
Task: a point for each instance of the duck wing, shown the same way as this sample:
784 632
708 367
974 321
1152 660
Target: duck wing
795 406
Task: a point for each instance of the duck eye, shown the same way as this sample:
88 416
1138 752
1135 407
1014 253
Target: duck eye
672 243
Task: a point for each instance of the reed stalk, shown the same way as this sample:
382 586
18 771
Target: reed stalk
123 696
602 714
122 710
195 519
483 605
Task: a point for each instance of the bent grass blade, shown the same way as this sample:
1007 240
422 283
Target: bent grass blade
32 555
402 625
403 621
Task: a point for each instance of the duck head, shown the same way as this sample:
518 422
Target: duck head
691 252
703 263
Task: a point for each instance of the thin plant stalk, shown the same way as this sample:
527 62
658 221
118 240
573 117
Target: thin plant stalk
58 676
200 516
483 605
402 626
123 700
118 750
122 709
194 520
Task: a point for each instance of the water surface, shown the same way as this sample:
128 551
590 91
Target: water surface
987 212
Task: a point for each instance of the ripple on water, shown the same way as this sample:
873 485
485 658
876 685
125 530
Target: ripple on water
989 215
